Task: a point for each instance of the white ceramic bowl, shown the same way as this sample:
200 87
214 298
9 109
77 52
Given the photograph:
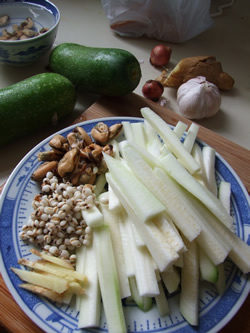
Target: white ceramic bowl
44 15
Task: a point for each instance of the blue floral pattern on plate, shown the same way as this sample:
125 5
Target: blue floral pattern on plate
15 205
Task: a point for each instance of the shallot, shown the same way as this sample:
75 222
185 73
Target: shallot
153 90
160 55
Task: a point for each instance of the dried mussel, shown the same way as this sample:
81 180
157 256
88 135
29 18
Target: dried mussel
42 170
79 138
78 158
59 147
19 32
68 162
4 20
102 134
59 144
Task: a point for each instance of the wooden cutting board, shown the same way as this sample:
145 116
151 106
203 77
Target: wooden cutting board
13 319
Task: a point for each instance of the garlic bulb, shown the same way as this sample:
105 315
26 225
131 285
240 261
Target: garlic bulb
198 98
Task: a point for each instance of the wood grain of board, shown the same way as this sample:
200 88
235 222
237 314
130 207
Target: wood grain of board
13 319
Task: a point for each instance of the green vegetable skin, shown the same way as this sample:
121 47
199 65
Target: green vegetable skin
34 103
105 71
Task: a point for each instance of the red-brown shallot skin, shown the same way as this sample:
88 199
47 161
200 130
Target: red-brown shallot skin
153 90
160 55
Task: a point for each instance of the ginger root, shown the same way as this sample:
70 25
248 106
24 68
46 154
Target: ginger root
192 67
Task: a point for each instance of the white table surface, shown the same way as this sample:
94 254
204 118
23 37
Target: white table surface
84 22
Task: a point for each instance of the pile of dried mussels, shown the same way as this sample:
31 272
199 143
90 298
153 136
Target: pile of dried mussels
78 158
23 31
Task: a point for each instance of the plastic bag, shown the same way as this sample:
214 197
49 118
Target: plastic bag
168 20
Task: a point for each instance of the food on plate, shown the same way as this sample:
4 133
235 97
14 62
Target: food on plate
191 67
197 98
52 259
102 133
78 159
57 280
56 224
68 176
24 30
104 71
160 55
162 228
34 103
153 90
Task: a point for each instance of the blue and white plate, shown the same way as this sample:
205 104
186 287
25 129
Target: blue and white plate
15 206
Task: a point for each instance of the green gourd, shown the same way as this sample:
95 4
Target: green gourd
104 71
34 103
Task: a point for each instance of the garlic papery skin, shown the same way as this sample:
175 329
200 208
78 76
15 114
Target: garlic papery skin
198 98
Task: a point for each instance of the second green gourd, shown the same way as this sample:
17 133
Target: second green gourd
104 71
